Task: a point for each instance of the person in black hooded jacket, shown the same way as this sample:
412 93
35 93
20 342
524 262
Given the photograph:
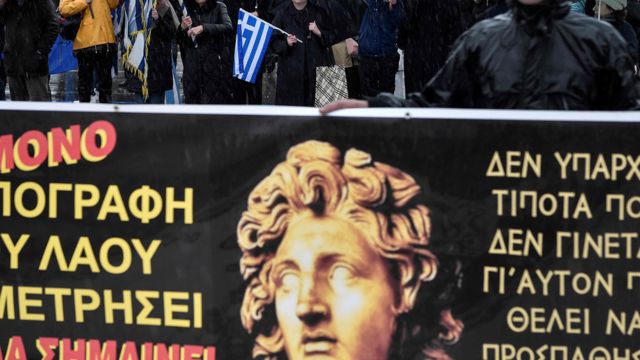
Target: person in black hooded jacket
297 60
207 59
538 55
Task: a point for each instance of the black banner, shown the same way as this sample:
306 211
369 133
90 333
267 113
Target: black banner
172 235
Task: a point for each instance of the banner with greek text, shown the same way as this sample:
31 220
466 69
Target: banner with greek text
252 233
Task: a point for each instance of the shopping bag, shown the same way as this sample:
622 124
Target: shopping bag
331 85
61 58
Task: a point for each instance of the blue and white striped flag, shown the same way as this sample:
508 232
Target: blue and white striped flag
137 31
183 9
117 16
173 96
252 40
137 18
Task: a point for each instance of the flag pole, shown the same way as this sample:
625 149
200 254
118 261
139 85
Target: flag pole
276 28
284 32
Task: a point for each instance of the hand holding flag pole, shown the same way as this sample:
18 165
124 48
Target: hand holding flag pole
185 15
187 24
284 32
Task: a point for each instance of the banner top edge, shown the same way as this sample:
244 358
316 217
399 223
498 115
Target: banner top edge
270 110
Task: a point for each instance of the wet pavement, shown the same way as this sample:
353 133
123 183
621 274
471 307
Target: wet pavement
63 86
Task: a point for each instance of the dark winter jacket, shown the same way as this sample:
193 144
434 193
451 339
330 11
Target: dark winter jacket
342 18
159 58
379 28
533 57
30 31
345 14
2 40
617 19
3 74
160 73
261 7
355 11
233 8
474 10
633 15
427 35
629 35
207 61
267 9
297 64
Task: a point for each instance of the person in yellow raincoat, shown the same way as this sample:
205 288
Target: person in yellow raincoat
94 45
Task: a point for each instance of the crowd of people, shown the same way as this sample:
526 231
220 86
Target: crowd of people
363 36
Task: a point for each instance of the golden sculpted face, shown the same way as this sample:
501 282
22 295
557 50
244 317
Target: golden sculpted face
334 252
334 296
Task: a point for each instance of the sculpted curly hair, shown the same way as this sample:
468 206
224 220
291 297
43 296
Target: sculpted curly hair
377 198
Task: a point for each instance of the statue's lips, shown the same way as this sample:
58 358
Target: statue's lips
318 342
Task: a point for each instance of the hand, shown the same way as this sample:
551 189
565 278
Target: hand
154 14
352 47
255 13
314 28
392 3
195 31
186 23
343 104
291 40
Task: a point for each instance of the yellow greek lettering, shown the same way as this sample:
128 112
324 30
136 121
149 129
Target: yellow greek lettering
145 211
14 249
113 204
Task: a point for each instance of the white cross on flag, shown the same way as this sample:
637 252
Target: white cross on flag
252 40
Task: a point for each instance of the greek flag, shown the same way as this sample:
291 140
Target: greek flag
252 40
118 20
137 24
137 17
183 9
173 96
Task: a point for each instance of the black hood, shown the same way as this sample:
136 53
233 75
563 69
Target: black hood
537 19
556 8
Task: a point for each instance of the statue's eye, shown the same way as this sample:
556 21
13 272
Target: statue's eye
289 281
341 273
